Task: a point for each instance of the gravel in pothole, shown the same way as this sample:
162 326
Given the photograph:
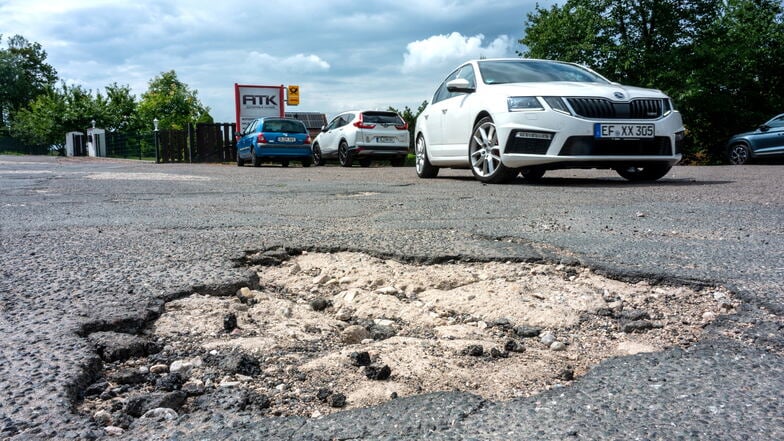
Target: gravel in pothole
335 331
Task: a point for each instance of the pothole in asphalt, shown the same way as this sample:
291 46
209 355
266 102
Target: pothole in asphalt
332 331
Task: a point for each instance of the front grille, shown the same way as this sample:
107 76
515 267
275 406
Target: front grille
536 143
590 146
602 108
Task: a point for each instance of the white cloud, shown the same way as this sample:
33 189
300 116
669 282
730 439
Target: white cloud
454 48
295 63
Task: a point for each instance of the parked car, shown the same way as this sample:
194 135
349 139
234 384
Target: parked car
274 139
364 136
501 117
765 142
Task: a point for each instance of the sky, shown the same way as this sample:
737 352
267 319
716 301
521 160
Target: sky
344 55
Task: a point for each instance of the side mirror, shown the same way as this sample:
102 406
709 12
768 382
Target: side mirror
460 85
764 128
323 128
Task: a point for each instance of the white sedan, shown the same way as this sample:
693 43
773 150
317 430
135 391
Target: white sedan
501 117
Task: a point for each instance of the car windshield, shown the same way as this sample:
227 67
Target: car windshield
283 126
381 118
534 71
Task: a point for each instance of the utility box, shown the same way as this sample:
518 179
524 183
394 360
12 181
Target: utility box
96 142
74 144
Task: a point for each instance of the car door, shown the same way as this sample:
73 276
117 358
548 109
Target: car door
328 139
771 141
433 118
458 118
245 142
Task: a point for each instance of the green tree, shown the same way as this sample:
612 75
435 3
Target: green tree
24 75
720 61
52 114
171 102
118 110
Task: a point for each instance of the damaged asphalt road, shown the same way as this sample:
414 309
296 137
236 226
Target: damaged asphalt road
99 245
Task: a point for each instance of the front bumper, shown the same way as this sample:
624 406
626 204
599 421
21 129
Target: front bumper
554 140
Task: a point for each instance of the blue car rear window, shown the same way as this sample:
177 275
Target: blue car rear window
282 126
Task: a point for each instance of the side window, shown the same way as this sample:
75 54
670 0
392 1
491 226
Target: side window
441 93
252 126
334 123
348 118
777 122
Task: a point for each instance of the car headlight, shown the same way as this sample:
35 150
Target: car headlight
518 103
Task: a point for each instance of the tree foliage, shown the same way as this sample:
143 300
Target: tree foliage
722 62
24 74
171 102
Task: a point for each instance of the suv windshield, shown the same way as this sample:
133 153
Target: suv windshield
381 118
283 126
534 71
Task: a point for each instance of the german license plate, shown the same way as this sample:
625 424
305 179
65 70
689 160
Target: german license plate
385 139
286 139
623 131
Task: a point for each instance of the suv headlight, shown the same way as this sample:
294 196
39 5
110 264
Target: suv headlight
518 103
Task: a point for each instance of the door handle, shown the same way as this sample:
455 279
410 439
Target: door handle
443 110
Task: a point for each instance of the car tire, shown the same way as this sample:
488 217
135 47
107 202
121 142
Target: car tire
398 162
284 163
240 161
318 159
255 159
484 154
738 153
344 156
644 173
424 168
365 162
532 174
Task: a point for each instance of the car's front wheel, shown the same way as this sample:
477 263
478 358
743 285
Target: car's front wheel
240 161
318 159
738 154
644 173
485 154
344 156
424 168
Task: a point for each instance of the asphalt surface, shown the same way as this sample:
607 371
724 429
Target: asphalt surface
95 244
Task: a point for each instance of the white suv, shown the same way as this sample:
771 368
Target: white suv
364 136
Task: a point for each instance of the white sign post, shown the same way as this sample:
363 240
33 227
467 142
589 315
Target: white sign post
256 102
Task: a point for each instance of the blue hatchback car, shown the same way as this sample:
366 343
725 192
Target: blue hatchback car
275 140
765 142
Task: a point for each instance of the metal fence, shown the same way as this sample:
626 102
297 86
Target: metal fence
130 145
13 145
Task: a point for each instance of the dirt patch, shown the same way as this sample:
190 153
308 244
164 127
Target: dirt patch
346 330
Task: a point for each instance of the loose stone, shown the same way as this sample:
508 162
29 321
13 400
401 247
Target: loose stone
319 304
377 372
547 339
473 350
360 358
513 346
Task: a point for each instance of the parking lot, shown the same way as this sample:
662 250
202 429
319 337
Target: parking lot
101 245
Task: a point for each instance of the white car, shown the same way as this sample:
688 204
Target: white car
501 117
364 136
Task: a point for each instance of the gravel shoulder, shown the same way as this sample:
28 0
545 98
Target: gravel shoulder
93 246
